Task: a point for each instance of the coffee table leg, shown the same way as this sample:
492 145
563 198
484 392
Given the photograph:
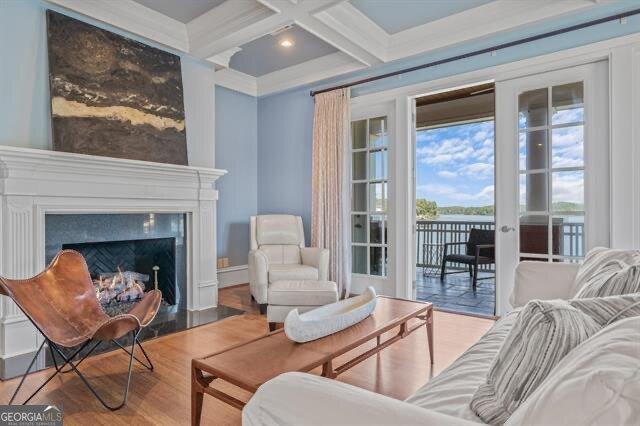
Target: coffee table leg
430 333
327 370
196 397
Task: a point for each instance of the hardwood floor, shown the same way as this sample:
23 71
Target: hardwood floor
162 397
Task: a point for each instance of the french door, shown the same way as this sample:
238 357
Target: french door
552 169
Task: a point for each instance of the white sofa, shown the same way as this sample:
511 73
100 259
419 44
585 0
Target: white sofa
278 254
596 384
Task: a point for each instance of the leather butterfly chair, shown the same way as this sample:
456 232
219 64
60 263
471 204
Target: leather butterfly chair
61 303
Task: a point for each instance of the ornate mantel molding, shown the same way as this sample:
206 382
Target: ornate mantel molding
36 182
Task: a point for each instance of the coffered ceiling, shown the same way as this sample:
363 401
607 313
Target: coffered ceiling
243 38
183 11
394 16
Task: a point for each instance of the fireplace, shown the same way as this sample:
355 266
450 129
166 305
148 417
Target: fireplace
122 271
127 254
49 199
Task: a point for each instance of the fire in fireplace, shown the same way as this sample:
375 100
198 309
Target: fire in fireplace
123 270
121 286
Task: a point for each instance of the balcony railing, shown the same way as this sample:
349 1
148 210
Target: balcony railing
435 233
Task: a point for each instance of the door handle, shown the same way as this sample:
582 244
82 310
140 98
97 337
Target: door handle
506 228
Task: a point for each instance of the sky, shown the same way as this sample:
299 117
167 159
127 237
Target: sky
455 165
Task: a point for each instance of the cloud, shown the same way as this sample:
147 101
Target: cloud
447 174
485 196
432 189
572 115
480 136
568 186
456 194
455 165
445 151
478 170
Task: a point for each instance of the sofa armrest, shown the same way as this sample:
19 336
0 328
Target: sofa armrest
542 280
318 258
258 275
294 399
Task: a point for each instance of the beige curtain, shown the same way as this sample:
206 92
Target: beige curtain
330 206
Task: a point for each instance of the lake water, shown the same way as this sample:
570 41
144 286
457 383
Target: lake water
465 218
480 218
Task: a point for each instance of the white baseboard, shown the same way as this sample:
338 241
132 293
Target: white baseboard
233 275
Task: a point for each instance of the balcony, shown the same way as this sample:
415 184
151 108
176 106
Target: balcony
455 293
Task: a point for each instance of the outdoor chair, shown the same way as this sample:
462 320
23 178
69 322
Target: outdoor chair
480 250
61 303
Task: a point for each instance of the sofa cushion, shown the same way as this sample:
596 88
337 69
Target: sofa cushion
597 258
613 278
543 334
302 293
292 273
450 392
598 383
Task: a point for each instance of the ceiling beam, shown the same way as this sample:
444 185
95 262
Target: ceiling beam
240 22
337 40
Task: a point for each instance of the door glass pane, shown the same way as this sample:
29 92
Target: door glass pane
375 229
534 234
376 260
359 197
568 238
378 132
359 259
359 134
378 164
377 197
532 108
533 150
359 167
567 144
358 228
568 191
533 192
567 103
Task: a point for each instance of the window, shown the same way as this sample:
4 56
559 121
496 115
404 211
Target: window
369 195
551 152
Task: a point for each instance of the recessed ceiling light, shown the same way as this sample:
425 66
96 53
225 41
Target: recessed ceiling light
285 42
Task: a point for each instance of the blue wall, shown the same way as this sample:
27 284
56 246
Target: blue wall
285 125
25 109
237 152
24 88
285 120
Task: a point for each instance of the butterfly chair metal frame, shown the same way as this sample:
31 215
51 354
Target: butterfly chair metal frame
91 326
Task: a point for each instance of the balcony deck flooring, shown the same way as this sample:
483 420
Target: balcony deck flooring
456 294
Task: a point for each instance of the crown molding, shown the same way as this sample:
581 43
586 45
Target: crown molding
223 58
307 72
236 80
134 18
481 21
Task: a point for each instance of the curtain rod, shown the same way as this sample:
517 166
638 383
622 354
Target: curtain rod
483 51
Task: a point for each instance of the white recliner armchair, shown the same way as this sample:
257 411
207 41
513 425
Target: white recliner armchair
278 254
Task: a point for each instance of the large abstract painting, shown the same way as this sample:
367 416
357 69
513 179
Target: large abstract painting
113 96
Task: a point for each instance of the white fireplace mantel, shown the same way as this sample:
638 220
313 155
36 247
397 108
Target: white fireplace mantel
36 182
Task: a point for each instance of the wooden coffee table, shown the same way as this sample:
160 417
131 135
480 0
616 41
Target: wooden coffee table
250 364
